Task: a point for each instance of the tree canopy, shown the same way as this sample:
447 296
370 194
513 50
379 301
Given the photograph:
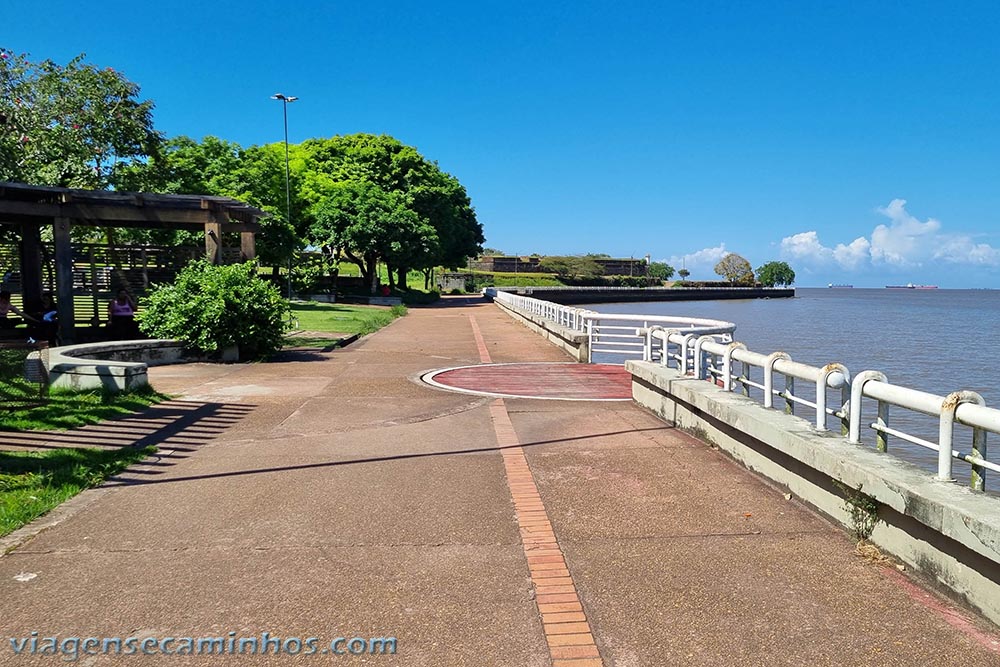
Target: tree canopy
368 224
735 269
71 125
775 273
660 270
342 172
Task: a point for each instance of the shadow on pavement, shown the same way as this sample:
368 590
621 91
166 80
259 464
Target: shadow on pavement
177 428
383 459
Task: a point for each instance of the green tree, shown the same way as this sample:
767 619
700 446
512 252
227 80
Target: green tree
775 273
368 225
70 126
660 271
684 273
435 197
735 269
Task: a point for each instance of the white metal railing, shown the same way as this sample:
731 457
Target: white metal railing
704 349
611 334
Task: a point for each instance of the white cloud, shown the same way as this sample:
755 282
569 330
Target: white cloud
854 254
706 258
904 242
805 245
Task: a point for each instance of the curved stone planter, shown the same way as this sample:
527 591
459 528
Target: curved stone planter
117 365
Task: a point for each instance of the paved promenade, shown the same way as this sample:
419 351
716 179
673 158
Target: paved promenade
332 495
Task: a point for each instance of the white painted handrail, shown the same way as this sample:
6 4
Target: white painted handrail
705 349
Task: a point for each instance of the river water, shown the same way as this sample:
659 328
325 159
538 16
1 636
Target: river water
934 340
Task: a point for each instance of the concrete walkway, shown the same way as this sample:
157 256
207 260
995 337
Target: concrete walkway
331 495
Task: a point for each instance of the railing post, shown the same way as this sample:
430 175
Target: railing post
882 421
854 408
769 376
665 353
821 384
946 432
684 353
727 365
590 341
699 358
845 409
978 481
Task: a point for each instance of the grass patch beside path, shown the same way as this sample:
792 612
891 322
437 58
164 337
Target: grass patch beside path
339 318
70 409
32 483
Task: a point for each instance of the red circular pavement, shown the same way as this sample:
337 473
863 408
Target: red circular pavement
567 381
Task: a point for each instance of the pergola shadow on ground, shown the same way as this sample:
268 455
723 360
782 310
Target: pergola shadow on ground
30 208
177 428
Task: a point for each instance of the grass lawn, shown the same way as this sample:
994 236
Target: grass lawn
339 318
32 483
22 410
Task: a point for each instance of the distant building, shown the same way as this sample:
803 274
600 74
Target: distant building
503 264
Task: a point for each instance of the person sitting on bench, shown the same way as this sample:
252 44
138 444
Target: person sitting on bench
121 317
6 307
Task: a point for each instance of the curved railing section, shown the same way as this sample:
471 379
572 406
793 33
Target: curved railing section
705 349
611 334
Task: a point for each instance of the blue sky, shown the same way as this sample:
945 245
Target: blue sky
860 142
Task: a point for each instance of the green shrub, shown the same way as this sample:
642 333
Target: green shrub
210 308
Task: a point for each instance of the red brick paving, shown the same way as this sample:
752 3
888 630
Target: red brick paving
544 380
567 632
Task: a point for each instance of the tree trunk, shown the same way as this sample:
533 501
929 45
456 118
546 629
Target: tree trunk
401 276
389 272
372 276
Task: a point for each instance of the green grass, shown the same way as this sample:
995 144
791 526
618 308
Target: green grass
339 318
62 410
32 483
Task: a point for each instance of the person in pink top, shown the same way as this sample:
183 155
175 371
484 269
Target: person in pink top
121 317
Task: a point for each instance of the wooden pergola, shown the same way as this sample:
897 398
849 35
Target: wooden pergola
31 207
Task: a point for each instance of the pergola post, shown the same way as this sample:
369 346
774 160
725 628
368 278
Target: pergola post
31 264
213 242
248 248
64 279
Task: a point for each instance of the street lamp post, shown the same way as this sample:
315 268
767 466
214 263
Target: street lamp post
285 101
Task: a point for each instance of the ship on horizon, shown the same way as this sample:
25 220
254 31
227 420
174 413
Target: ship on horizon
832 286
911 286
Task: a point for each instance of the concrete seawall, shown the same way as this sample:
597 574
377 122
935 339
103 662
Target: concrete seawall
941 529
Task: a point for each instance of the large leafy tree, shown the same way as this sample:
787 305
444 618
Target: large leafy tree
736 269
660 270
69 125
775 273
436 198
369 224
